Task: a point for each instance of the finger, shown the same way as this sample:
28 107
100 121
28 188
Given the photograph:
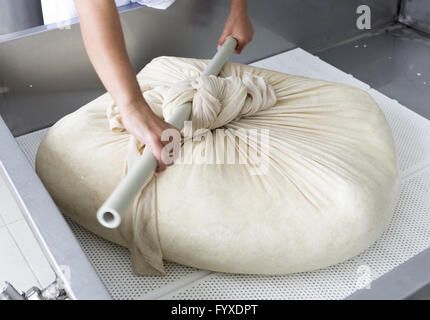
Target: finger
222 40
171 148
165 156
167 152
240 45
161 167
156 147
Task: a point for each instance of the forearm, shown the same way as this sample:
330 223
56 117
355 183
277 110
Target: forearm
238 7
104 41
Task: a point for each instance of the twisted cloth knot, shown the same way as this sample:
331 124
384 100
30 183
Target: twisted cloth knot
215 101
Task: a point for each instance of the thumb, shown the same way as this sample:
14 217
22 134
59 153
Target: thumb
156 148
240 45
222 39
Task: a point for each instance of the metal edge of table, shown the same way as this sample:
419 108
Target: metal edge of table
61 247
61 24
401 282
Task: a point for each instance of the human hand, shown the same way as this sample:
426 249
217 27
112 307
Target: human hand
141 122
238 26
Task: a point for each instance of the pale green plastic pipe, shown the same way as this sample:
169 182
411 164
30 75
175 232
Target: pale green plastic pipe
111 212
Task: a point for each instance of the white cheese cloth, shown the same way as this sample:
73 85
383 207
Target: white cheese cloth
327 193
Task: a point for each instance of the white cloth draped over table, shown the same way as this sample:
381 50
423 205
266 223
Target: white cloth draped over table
61 10
328 193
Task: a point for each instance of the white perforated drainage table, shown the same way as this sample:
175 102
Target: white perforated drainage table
408 234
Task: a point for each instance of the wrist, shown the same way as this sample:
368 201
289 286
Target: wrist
133 107
138 113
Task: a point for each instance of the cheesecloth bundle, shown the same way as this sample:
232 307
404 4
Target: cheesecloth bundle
278 173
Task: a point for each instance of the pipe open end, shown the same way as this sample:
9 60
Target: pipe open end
109 218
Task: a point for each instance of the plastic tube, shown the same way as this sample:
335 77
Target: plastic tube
111 212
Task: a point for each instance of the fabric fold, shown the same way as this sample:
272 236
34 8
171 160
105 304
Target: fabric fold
215 101
318 185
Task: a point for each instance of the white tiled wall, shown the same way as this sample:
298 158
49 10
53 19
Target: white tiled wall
22 261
